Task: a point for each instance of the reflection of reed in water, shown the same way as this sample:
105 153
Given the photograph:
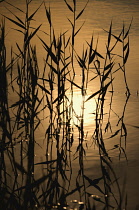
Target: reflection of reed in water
21 187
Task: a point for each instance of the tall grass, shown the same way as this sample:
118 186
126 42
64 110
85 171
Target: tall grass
52 95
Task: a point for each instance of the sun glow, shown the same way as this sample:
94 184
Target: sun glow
83 108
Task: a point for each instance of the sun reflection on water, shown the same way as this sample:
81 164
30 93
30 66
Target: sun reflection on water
81 107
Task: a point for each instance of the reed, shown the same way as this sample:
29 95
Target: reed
51 93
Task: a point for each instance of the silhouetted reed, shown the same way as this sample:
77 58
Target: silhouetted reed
51 93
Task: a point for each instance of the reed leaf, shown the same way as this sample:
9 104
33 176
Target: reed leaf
46 162
35 183
79 29
70 8
16 17
115 134
106 173
128 29
125 46
15 22
110 65
17 103
116 37
32 15
48 103
124 153
74 190
93 78
73 83
48 14
90 46
80 13
94 183
67 42
63 69
54 40
39 103
70 23
124 128
127 54
54 58
81 62
20 168
15 7
99 91
53 69
31 35
98 54
91 58
19 49
94 94
60 97
44 89
109 35
106 75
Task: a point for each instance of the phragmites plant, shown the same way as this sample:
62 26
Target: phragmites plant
46 97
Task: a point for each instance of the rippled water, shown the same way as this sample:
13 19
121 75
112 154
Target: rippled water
98 16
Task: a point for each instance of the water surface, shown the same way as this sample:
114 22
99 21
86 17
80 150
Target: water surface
98 16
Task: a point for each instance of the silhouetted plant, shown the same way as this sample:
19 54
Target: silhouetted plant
53 93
